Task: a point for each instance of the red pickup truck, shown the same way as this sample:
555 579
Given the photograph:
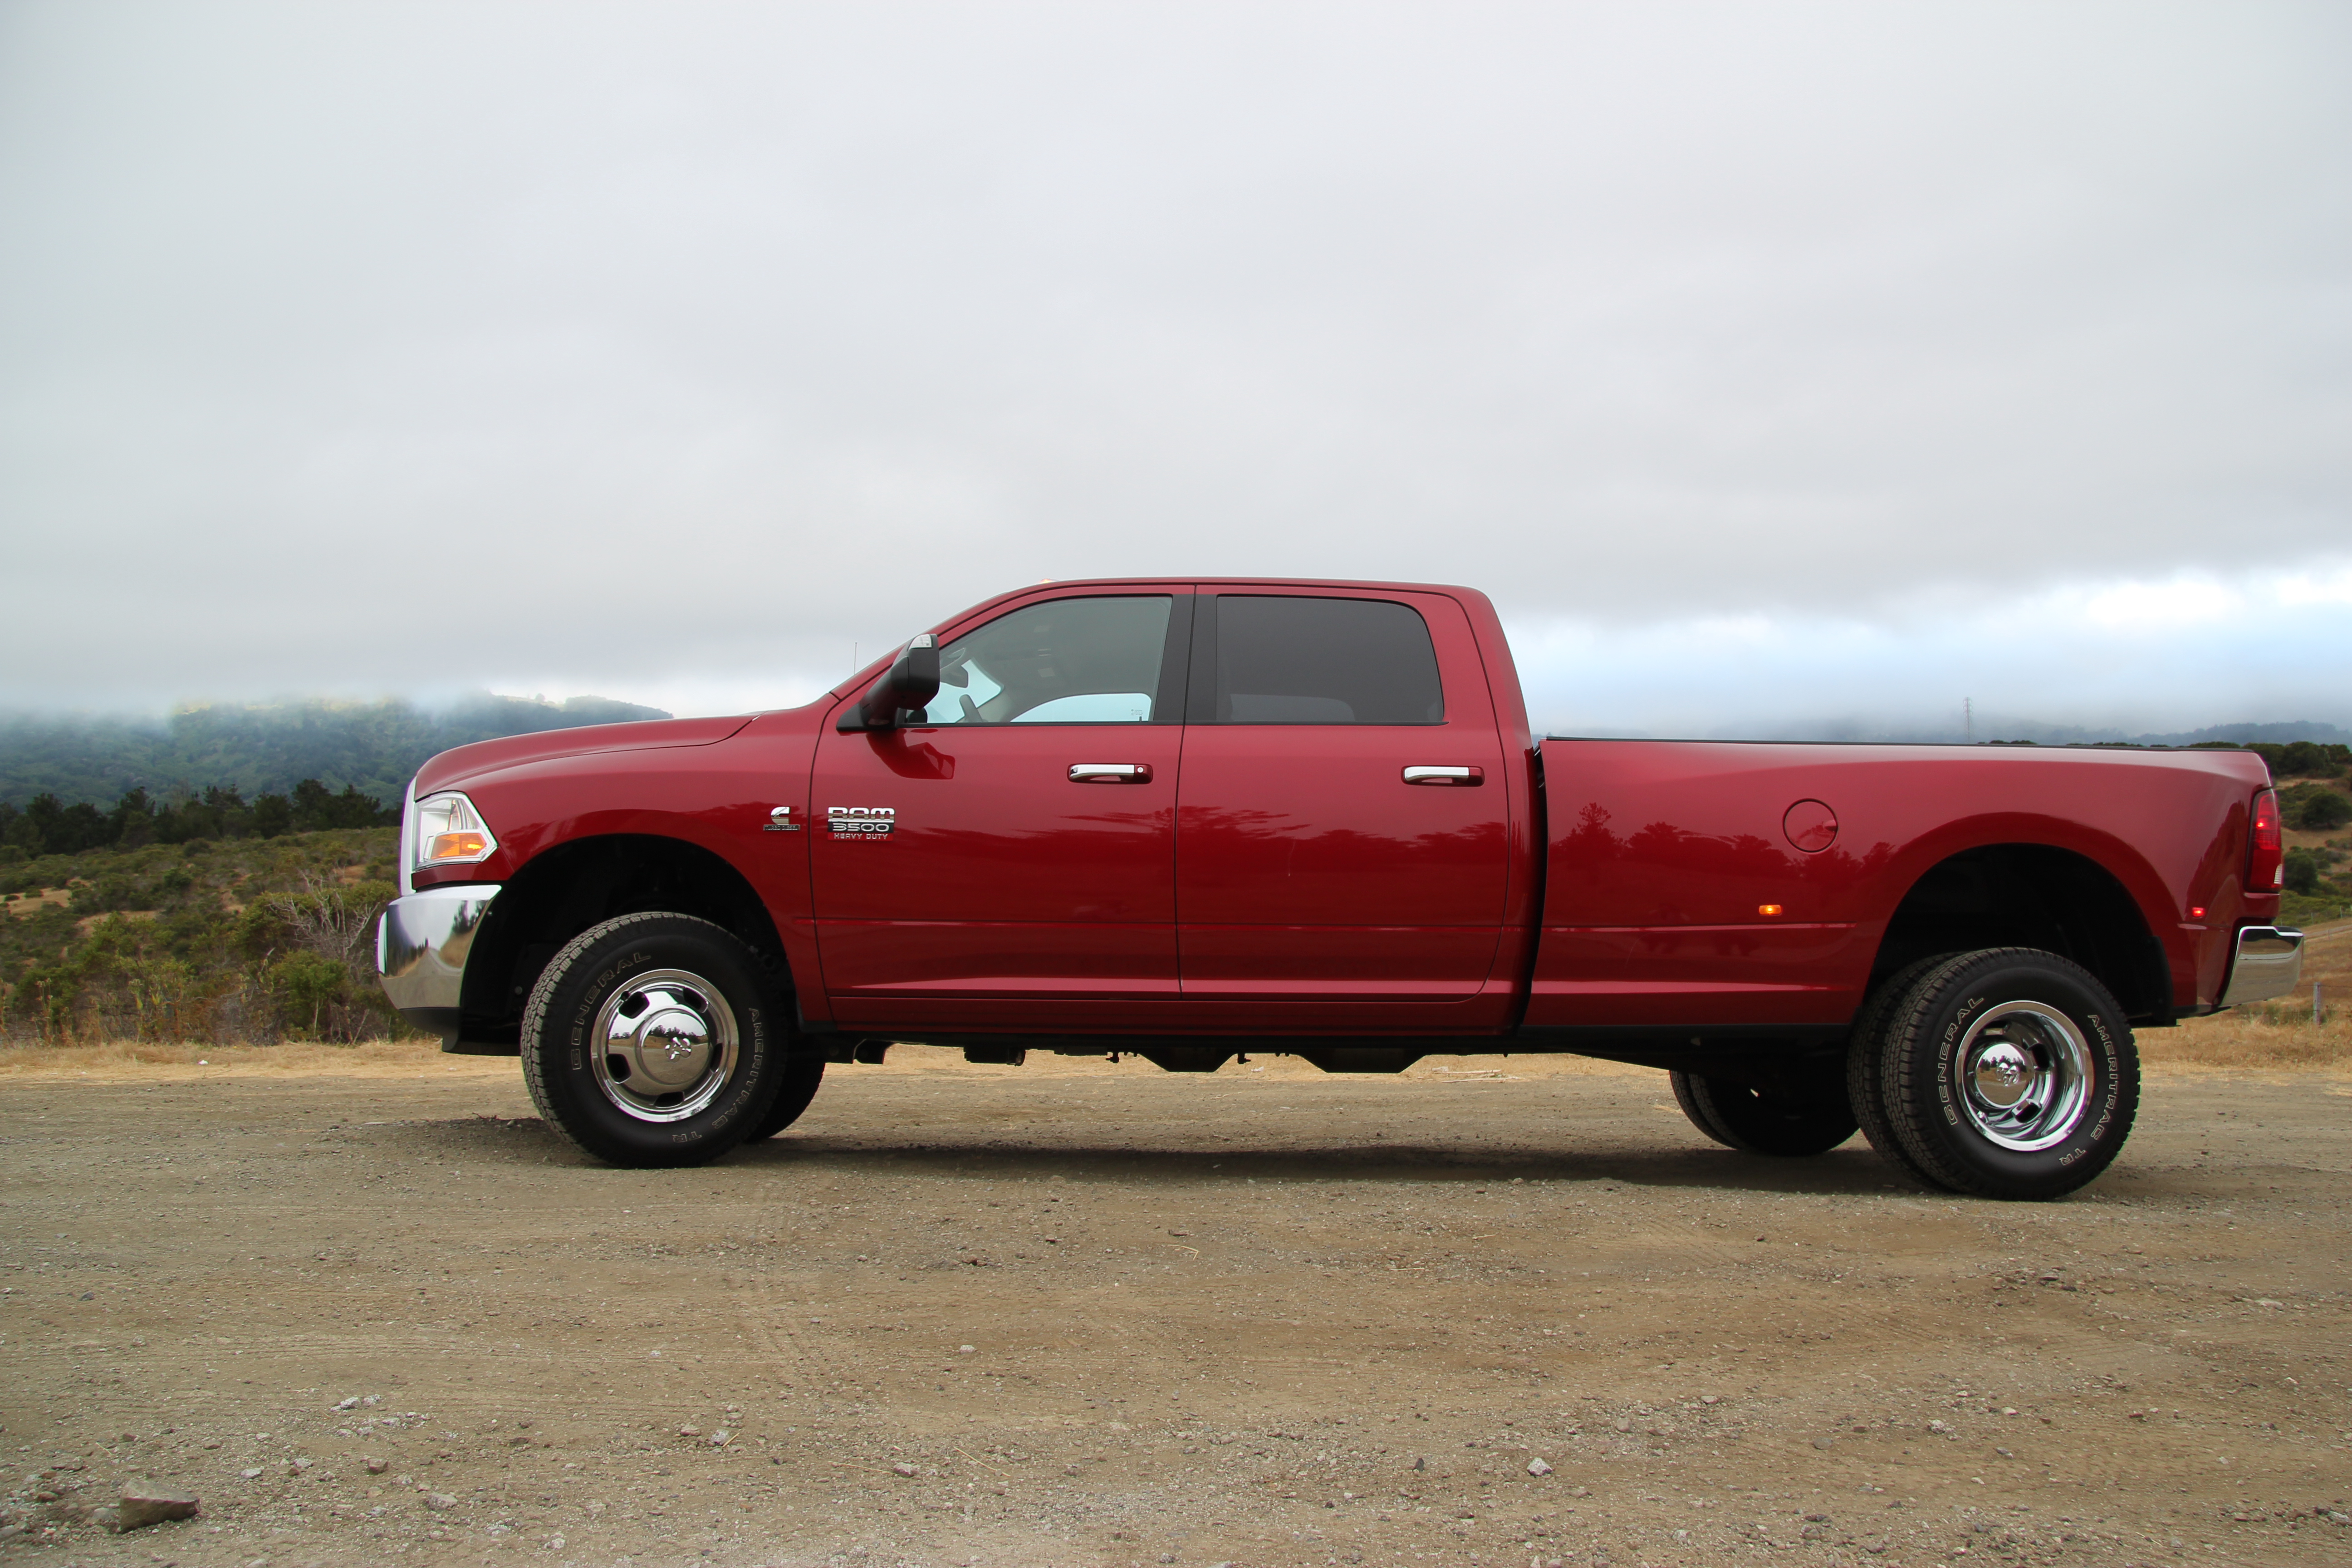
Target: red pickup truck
1193 819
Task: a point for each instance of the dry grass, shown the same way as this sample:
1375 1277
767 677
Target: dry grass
2273 1037
2254 1039
153 1060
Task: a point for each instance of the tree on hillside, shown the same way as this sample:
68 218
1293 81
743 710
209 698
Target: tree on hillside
2290 759
48 826
314 808
45 826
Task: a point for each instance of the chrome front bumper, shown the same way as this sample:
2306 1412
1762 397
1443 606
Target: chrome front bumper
2268 962
420 951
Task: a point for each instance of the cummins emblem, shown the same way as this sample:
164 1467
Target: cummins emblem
861 821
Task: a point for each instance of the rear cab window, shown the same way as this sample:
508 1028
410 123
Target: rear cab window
1282 658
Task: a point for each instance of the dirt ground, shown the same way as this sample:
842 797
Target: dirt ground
1496 1312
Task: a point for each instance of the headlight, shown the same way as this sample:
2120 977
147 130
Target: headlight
450 832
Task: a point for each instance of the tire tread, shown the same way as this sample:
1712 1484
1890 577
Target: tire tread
1866 1062
1902 1064
1700 1110
551 1106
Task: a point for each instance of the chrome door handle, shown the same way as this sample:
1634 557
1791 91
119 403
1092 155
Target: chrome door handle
1456 776
1110 773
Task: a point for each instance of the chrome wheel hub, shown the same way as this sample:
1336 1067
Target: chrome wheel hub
2003 1076
665 1044
2026 1076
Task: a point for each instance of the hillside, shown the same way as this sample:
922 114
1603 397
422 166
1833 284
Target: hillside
253 940
266 749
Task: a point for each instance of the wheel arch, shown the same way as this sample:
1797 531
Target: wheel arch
2038 896
565 889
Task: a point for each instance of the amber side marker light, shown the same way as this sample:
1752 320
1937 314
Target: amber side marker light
450 831
1768 909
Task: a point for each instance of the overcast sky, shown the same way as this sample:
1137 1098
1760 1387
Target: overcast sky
1764 362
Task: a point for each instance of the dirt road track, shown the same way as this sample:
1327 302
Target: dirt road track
1107 1316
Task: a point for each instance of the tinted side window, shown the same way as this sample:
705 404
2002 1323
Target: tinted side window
1285 660
1067 661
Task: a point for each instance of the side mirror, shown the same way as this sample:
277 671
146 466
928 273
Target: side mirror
910 682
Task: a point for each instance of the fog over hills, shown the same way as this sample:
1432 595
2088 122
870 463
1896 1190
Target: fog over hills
373 747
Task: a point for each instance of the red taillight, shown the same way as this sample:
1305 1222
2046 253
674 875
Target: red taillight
2268 861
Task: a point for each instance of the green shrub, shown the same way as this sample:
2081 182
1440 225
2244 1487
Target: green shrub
166 998
109 892
2309 760
307 988
2301 872
2320 811
197 970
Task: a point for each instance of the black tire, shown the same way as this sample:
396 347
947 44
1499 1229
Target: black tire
1865 1061
2009 1073
1788 1123
654 1039
803 1073
1700 1112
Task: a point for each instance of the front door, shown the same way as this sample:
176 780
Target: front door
1342 844
1011 860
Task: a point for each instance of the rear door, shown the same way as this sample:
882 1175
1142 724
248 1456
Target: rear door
1012 857
1342 852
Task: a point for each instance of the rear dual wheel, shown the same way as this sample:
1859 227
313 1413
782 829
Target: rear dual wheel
1789 1119
2005 1073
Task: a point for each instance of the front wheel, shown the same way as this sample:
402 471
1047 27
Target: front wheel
654 1039
1789 1122
2008 1073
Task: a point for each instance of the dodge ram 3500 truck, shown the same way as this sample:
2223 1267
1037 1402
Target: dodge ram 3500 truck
1193 819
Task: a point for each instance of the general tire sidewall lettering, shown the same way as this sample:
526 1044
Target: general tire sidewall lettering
1922 1064
1947 1056
583 1016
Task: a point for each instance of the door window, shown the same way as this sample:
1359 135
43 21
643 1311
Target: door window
1289 659
1066 661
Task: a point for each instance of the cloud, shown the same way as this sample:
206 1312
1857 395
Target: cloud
665 349
2165 609
2139 657
2316 588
